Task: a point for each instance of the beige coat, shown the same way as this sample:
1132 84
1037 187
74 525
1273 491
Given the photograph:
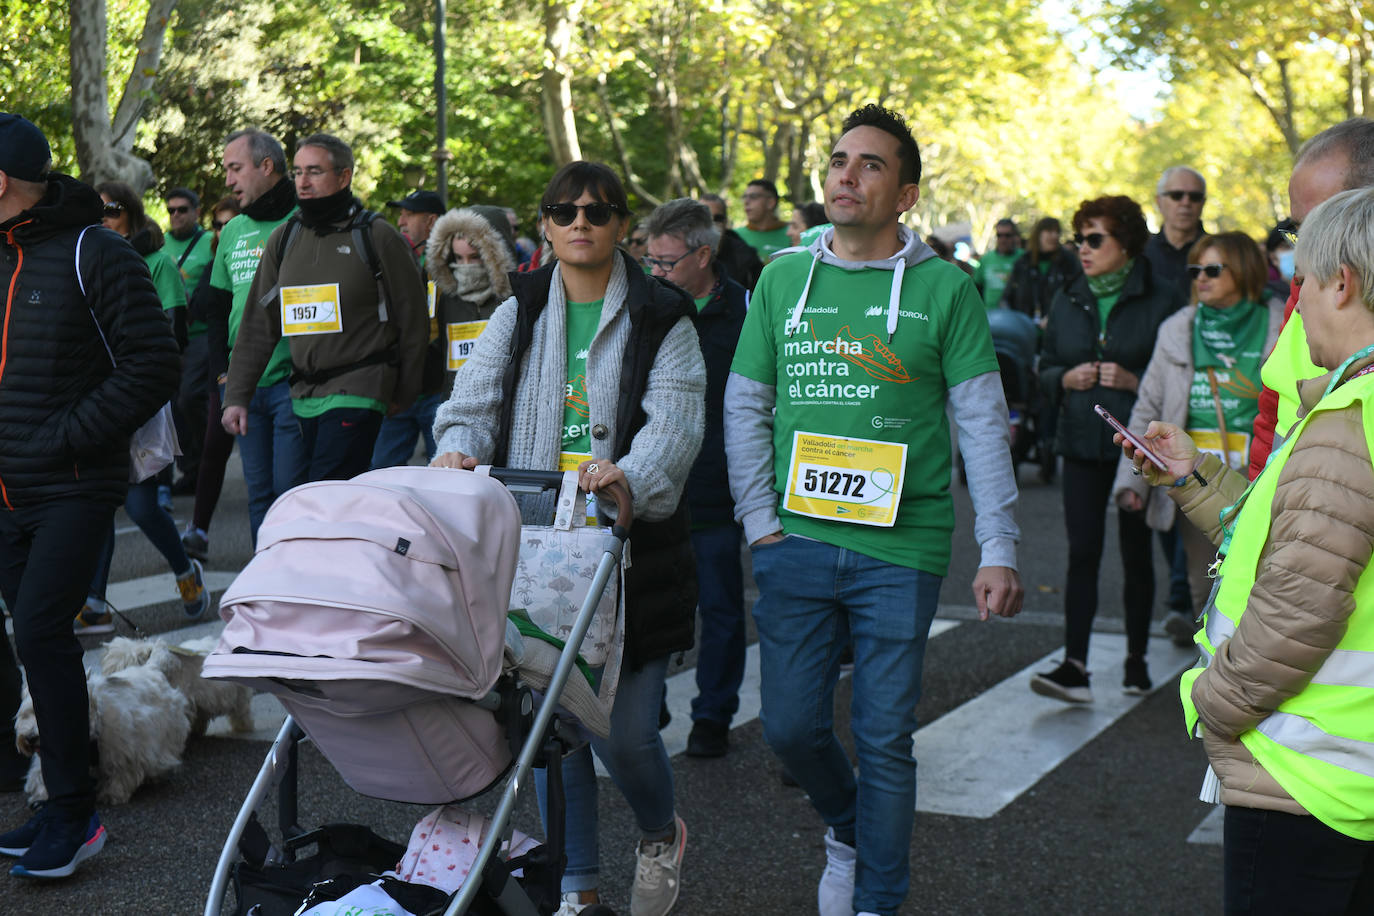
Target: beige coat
1320 541
1163 395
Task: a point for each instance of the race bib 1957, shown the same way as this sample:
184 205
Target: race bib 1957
858 481
310 310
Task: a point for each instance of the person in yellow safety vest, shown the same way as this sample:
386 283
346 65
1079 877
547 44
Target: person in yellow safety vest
1283 696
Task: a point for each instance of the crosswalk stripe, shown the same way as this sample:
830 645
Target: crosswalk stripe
1211 830
1031 734
132 594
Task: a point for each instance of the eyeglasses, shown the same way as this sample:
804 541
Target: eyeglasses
665 265
718 218
598 213
176 211
112 209
1211 270
1196 197
312 171
1093 240
756 195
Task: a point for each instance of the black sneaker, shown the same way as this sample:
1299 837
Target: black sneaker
61 845
1065 683
16 842
1180 627
708 739
1136 682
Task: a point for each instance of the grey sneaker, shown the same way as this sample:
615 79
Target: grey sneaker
835 893
196 543
657 872
195 597
1180 628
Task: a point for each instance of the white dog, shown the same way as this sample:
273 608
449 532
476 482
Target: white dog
139 723
182 665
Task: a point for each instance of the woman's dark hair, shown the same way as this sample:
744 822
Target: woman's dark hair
1242 256
595 178
1044 224
122 194
1122 217
813 214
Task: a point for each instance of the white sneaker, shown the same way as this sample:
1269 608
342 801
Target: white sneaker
835 893
570 905
657 872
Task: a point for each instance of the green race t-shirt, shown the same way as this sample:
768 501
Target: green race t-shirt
839 375
196 261
241 244
766 243
992 273
583 318
313 407
702 301
171 292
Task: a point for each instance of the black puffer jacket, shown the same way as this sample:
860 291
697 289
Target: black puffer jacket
65 413
718 327
1074 335
1030 291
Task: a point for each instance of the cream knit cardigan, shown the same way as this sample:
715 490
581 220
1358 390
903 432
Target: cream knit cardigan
663 450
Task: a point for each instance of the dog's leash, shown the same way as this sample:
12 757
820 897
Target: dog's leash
138 630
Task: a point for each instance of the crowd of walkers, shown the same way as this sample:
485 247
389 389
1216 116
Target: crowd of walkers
789 386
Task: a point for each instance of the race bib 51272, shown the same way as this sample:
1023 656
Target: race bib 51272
858 481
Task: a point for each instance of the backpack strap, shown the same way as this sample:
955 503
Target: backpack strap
191 247
362 243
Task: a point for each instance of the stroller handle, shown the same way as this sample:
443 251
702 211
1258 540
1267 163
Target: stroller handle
619 493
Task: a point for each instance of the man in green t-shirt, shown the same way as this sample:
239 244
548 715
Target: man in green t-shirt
765 233
191 247
839 462
269 438
994 270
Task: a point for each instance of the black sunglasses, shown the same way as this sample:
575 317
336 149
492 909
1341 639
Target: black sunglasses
113 209
177 210
1196 197
598 213
217 225
1093 240
1211 270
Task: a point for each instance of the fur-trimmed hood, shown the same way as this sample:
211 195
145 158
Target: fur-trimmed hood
482 233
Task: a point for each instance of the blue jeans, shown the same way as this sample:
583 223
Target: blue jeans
273 453
813 599
720 606
141 504
638 763
396 441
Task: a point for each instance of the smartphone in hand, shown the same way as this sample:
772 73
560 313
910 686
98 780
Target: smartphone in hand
1130 437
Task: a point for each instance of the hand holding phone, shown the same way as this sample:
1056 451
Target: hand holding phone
1131 437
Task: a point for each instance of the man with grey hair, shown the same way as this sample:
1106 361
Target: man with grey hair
1340 158
270 438
340 285
682 240
1180 195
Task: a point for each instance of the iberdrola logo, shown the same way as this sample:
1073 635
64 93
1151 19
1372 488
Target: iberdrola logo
576 396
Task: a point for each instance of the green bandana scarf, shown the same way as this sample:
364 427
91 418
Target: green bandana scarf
1110 284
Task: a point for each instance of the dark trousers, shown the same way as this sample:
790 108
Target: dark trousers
339 442
1087 492
720 607
1280 863
214 457
191 405
47 555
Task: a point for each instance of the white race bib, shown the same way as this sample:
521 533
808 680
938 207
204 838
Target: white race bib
571 461
1208 441
462 337
310 310
858 481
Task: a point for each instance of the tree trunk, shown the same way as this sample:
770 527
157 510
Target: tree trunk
560 122
104 149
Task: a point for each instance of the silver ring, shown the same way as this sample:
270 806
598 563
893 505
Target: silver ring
595 468
1135 470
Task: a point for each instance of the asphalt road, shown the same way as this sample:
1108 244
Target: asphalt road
1106 830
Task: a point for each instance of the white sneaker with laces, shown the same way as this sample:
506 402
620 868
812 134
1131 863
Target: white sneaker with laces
835 893
657 872
570 905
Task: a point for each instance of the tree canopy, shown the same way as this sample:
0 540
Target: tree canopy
688 96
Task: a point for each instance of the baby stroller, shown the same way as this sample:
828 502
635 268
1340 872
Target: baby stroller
375 609
1015 340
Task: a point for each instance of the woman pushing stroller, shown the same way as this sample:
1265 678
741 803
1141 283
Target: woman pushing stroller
594 365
